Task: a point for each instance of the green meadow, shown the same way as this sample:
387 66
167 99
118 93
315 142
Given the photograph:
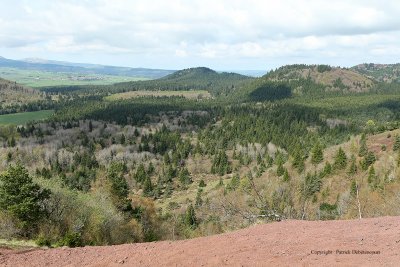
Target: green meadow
25 117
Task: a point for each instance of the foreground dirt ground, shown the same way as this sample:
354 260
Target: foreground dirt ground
286 243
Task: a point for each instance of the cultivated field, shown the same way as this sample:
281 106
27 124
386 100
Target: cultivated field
22 118
195 94
34 78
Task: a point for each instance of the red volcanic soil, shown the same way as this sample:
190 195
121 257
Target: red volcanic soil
286 243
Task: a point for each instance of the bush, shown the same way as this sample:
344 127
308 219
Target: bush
202 183
42 241
71 240
328 211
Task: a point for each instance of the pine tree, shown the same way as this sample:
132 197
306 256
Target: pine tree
396 145
234 183
184 177
140 174
340 159
327 170
353 188
368 160
353 166
372 178
363 146
147 187
190 217
199 200
317 155
21 197
220 164
298 161
312 184
119 186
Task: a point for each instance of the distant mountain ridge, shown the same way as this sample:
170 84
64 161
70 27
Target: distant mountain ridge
84 68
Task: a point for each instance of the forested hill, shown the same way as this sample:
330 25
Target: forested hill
199 78
308 80
380 72
332 78
12 93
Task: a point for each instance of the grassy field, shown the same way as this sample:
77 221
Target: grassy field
22 118
196 94
34 78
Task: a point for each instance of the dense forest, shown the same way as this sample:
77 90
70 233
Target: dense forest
283 146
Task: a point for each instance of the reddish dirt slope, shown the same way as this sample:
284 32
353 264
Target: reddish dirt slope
286 243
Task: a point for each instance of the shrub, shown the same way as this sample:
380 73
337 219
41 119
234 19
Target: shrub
42 241
71 240
328 211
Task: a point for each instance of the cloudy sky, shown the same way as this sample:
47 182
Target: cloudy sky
221 34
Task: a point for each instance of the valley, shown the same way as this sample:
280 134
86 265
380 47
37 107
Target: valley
197 153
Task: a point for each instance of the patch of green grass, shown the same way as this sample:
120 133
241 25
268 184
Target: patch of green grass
34 78
195 94
16 244
23 118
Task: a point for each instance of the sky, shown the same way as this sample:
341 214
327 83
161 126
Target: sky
220 34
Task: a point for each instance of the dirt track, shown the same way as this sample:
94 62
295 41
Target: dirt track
287 243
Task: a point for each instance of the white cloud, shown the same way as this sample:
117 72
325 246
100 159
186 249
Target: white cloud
250 33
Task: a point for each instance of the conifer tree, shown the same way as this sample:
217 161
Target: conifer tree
21 197
147 187
363 146
184 177
340 159
140 174
372 178
353 166
327 169
317 155
190 217
368 160
298 161
199 200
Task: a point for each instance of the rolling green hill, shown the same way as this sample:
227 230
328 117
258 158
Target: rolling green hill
200 78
